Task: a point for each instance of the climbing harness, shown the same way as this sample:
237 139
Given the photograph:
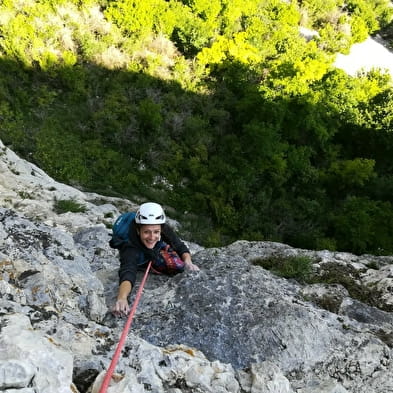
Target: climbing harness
124 333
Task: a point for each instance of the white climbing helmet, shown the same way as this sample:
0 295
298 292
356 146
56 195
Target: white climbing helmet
150 213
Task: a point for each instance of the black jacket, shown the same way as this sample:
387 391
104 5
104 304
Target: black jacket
135 253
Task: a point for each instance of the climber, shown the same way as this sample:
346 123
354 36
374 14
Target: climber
148 234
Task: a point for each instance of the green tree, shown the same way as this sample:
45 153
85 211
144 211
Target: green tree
363 225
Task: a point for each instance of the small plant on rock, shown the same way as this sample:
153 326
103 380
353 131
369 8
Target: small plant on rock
68 205
297 267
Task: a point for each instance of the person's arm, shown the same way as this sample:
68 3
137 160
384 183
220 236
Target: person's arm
169 236
186 257
127 276
121 306
179 246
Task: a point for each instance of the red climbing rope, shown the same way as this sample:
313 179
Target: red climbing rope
123 336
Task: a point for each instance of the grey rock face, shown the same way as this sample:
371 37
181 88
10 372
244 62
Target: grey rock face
237 313
29 360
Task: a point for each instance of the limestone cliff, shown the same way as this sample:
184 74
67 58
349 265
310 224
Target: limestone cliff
232 327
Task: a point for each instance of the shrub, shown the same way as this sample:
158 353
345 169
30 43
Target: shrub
297 267
68 205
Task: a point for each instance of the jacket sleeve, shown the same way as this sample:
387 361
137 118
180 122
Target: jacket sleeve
169 236
129 257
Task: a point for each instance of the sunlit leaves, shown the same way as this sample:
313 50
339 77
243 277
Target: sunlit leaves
351 173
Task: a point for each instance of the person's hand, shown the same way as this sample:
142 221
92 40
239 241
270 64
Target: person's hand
121 308
190 266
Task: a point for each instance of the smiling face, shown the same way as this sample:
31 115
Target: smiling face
149 235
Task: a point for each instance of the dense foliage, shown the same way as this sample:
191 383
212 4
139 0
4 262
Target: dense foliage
221 109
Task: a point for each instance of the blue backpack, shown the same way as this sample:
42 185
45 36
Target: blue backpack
120 230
